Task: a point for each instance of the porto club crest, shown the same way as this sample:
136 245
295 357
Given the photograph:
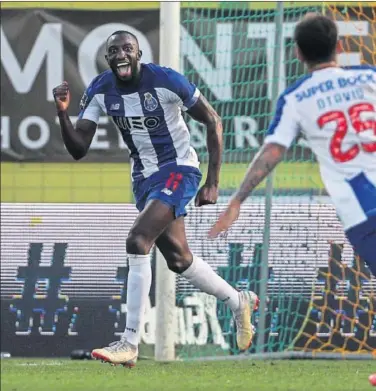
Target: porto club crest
150 103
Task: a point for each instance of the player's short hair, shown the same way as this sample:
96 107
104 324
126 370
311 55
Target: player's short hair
316 36
124 32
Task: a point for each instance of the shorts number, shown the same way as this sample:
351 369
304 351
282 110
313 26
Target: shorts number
173 181
342 128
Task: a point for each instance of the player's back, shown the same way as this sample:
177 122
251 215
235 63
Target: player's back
335 109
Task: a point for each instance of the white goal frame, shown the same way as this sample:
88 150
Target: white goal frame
169 55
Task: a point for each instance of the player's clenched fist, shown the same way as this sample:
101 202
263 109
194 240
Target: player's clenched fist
62 96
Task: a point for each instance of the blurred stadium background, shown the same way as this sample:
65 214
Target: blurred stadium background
64 223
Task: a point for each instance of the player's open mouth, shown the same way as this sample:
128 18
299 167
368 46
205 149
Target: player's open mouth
124 69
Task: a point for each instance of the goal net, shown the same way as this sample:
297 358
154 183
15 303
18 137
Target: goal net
319 297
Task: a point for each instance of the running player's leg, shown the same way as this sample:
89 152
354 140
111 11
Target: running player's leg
147 227
363 239
153 219
173 245
363 236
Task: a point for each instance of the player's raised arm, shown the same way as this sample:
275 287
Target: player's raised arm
281 133
203 112
77 139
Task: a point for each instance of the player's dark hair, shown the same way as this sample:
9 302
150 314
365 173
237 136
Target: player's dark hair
316 37
124 32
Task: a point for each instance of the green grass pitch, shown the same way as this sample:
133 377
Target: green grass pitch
67 375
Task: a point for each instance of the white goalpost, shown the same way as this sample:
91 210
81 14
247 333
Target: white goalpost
169 55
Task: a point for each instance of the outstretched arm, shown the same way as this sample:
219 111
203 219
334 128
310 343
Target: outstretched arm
203 112
281 133
263 164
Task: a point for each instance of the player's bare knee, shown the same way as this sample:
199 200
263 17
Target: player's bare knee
137 244
179 263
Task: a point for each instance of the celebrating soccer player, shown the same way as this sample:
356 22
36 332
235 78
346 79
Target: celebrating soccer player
145 102
335 109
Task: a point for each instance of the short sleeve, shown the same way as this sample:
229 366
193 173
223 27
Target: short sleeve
187 93
89 106
284 127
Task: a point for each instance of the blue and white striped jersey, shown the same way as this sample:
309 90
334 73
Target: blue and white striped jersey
335 109
148 116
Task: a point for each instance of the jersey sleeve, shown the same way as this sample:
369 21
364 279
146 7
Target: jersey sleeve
186 93
89 106
284 127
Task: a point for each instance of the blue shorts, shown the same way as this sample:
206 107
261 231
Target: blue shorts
363 239
173 185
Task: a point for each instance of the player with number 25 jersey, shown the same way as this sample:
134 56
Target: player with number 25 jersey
335 109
